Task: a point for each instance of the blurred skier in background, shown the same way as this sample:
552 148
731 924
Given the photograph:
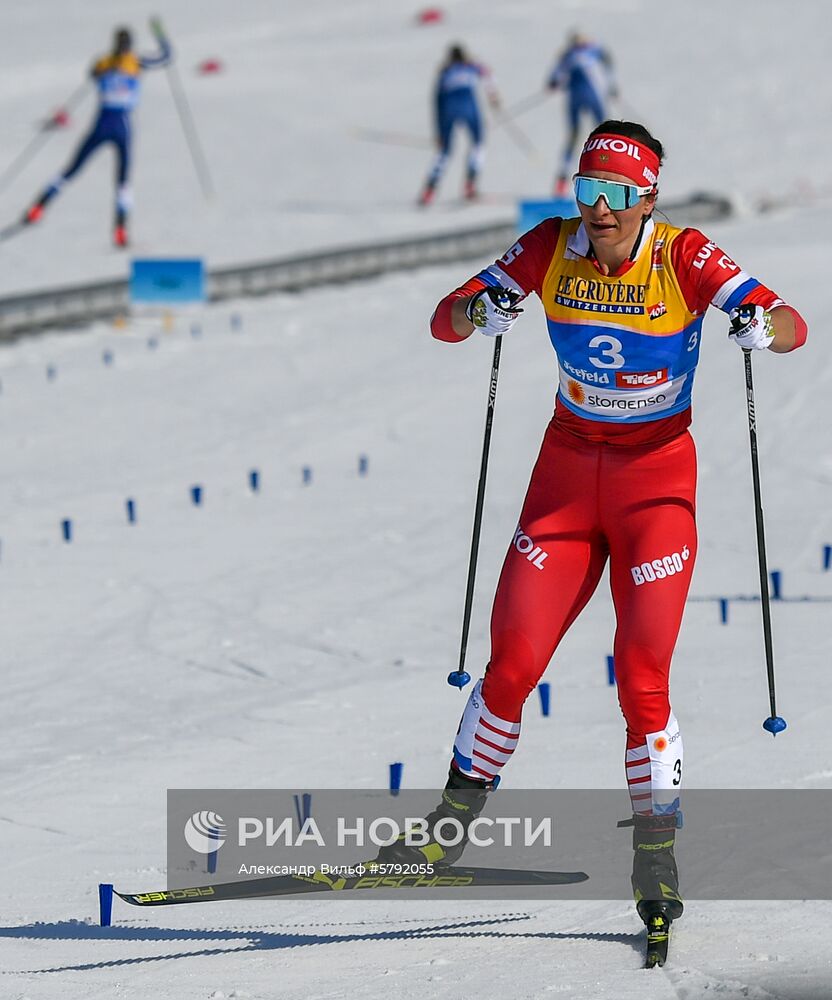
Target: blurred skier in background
456 103
585 72
117 79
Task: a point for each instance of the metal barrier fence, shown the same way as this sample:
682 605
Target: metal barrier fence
80 304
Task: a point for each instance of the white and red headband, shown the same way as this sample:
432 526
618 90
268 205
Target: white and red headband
620 155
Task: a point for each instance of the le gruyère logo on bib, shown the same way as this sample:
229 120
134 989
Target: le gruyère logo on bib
600 296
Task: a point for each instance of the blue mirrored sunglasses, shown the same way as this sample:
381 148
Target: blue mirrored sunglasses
618 196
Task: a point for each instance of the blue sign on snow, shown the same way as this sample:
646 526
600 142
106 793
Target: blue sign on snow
530 213
170 281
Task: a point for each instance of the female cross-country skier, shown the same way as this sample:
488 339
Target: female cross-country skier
624 298
585 73
456 103
117 79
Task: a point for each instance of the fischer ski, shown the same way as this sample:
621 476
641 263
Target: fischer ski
658 938
450 877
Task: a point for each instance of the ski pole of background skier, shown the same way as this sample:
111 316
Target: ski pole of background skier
460 677
517 135
527 103
48 128
774 724
186 120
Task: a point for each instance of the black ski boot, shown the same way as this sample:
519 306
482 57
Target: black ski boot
655 881
655 878
470 191
463 799
120 228
428 194
35 212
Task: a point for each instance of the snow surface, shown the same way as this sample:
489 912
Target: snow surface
301 637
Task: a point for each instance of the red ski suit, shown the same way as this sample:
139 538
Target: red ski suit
615 479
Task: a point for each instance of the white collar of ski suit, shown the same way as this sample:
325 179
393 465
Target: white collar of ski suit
577 245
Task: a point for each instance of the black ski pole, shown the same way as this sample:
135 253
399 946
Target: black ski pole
518 136
186 120
521 107
460 677
44 132
774 724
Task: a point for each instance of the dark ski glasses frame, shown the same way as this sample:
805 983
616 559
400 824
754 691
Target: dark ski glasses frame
617 195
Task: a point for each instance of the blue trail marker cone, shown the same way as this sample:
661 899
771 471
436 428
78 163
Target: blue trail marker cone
723 610
66 529
306 474
107 357
303 807
130 505
51 372
363 465
211 866
196 495
254 480
105 904
827 557
543 689
776 581
610 670
395 778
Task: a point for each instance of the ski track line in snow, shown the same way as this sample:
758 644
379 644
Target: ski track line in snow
33 826
272 637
